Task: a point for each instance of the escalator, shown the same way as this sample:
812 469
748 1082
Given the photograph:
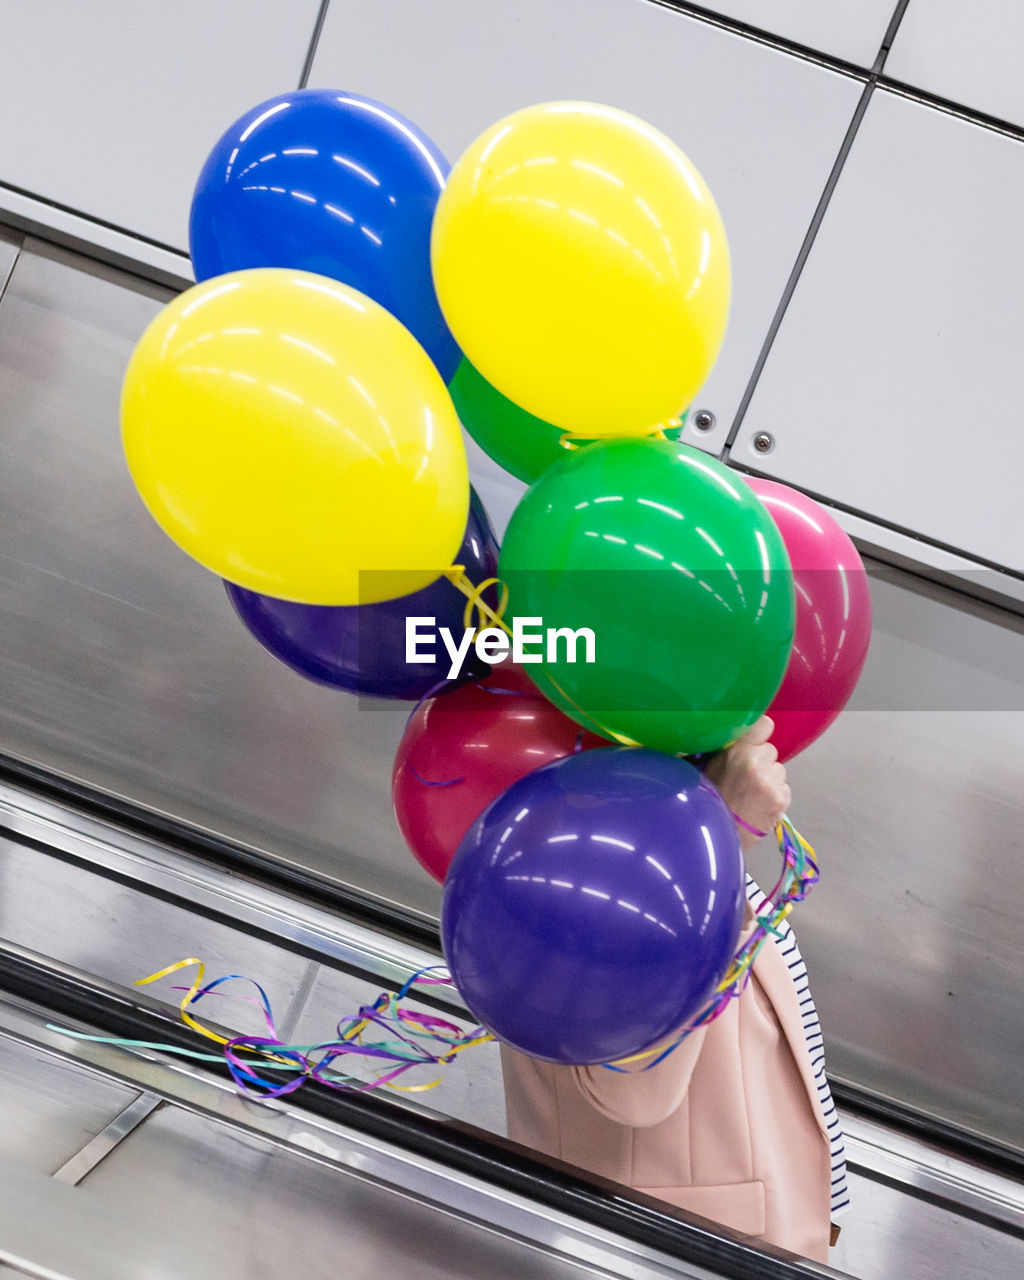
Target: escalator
168 790
121 1160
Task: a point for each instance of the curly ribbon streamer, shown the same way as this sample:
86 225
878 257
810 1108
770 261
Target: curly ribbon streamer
457 576
417 1039
746 825
447 782
799 875
194 993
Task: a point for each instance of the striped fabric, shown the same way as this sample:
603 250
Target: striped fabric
815 1047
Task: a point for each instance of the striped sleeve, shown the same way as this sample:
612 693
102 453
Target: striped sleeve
786 942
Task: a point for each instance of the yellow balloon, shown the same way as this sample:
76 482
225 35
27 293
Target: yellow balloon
291 435
581 263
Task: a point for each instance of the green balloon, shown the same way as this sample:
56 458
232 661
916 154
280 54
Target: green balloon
516 440
679 572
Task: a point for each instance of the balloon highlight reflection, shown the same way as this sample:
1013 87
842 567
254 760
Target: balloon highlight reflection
682 576
582 265
362 648
592 908
334 183
268 435
833 618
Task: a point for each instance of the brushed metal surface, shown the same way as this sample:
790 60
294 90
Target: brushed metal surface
84 1161
470 1088
890 1233
124 663
254 905
9 244
113 931
52 1232
339 1151
256 1210
913 802
34 216
882 1154
898 1237
50 1109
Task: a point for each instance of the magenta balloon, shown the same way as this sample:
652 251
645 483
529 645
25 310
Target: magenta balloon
833 618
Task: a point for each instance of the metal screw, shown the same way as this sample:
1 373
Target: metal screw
703 420
763 442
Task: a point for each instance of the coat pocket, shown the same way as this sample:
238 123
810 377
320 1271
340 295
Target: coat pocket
737 1205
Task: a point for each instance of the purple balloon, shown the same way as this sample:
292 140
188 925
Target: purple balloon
592 909
361 648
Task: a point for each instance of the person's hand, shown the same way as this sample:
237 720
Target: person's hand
752 781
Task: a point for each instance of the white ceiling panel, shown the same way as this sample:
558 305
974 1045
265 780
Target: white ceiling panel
969 53
111 109
848 29
762 126
893 386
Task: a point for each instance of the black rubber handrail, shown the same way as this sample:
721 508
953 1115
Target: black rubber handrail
976 1148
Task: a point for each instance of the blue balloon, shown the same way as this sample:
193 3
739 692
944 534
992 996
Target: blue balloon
591 909
334 183
361 648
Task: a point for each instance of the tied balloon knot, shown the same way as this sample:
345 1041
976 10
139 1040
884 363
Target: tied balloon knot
570 441
573 440
486 616
660 431
799 875
402 1039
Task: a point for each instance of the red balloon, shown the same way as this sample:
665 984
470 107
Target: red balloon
833 618
461 750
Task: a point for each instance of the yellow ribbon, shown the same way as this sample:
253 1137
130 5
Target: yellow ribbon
354 1032
573 440
187 999
737 968
457 576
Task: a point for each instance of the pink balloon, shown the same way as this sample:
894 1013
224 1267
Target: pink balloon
462 749
833 618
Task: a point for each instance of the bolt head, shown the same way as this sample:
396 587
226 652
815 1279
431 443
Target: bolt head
703 420
763 442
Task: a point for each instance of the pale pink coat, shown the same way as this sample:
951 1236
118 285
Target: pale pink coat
728 1127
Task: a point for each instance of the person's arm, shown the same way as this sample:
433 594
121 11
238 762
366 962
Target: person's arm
753 784
752 781
639 1098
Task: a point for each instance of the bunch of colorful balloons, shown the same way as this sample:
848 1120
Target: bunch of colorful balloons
293 423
